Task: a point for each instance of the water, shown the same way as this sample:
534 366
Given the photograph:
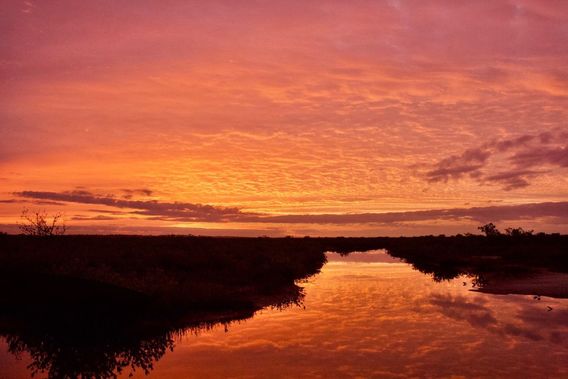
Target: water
370 315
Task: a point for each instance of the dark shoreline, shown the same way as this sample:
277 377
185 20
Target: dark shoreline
227 272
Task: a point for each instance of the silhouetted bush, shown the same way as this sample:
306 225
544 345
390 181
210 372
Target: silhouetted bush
41 225
518 232
490 230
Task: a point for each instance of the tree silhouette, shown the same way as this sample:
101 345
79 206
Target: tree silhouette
489 230
518 232
40 224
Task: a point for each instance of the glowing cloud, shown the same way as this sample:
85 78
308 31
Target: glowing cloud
285 108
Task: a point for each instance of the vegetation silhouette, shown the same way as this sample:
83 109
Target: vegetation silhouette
490 230
77 328
42 225
77 344
94 306
516 262
506 255
61 355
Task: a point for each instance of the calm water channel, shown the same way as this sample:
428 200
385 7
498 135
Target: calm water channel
370 315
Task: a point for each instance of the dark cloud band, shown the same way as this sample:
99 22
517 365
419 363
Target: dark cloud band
190 212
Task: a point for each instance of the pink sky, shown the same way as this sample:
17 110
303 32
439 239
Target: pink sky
282 117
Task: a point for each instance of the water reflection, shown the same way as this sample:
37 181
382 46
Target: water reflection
70 355
385 320
529 321
492 273
365 315
66 343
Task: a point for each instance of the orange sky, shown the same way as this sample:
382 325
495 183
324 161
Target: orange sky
158 116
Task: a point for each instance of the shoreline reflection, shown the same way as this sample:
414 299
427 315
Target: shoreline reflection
370 314
78 343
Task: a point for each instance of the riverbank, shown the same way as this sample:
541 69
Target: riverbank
192 273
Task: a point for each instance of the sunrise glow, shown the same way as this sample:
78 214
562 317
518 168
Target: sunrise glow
285 118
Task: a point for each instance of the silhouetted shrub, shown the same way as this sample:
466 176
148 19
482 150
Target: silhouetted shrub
40 224
518 232
490 230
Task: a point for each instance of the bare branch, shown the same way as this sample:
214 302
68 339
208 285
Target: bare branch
39 224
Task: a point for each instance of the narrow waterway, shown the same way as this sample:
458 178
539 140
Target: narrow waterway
370 315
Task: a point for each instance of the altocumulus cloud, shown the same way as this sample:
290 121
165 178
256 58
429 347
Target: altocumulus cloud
526 157
190 212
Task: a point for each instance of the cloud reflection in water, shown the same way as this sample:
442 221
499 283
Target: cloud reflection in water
385 320
374 316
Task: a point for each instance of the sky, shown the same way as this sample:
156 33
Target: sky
285 117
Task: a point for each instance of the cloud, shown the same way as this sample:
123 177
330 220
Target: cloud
509 162
296 100
190 212
505 145
176 210
457 165
93 218
130 193
36 202
513 179
542 156
479 214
